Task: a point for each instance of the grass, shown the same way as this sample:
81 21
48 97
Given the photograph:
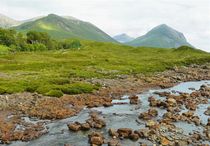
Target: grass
59 72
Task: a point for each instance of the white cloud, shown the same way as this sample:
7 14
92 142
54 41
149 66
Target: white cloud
134 17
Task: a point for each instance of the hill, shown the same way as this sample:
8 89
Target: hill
161 36
65 27
6 22
123 38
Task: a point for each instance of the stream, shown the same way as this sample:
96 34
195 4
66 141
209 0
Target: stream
117 116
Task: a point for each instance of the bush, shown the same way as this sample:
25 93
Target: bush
78 88
60 81
70 44
31 88
2 91
55 93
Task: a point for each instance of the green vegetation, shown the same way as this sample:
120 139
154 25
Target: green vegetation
60 70
34 41
64 27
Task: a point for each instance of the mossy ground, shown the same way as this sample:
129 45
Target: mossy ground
64 71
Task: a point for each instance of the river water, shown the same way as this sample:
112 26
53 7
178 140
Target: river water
117 116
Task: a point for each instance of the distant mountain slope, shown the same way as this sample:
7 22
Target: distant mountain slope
161 36
6 22
60 27
123 38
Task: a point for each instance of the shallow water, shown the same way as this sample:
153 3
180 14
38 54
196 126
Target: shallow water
117 116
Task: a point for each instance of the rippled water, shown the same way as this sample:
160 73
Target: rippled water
117 116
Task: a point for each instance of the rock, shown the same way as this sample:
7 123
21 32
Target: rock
96 138
171 102
181 143
124 132
191 105
134 99
153 112
153 102
107 104
207 112
134 136
164 141
113 133
85 126
188 114
145 116
74 127
114 142
143 133
150 123
208 124
67 145
196 120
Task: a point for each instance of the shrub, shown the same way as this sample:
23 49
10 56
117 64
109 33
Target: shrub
59 81
55 93
78 88
2 91
31 88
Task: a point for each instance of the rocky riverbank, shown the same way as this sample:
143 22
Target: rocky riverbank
14 107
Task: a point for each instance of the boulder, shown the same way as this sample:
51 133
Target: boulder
134 99
171 102
134 136
85 126
113 133
114 142
207 112
153 112
124 132
74 127
150 123
143 133
96 138
164 141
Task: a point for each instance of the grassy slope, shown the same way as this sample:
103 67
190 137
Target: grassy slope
52 70
61 28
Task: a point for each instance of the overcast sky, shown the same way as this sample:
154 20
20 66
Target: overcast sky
134 17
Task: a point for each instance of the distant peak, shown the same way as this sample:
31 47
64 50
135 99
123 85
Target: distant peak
52 15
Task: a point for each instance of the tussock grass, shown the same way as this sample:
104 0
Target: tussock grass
63 71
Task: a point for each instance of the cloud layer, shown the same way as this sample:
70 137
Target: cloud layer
134 17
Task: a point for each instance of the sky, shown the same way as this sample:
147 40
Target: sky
134 17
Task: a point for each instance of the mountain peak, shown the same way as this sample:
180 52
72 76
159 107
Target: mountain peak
123 38
60 27
7 22
162 36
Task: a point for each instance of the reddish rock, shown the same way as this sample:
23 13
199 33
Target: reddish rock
143 133
74 127
85 126
134 136
124 132
96 138
134 99
114 142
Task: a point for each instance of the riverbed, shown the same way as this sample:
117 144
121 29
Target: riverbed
118 116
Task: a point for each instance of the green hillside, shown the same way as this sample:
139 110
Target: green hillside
161 36
62 28
66 70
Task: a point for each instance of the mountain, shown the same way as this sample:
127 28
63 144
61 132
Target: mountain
161 36
65 27
6 22
123 38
